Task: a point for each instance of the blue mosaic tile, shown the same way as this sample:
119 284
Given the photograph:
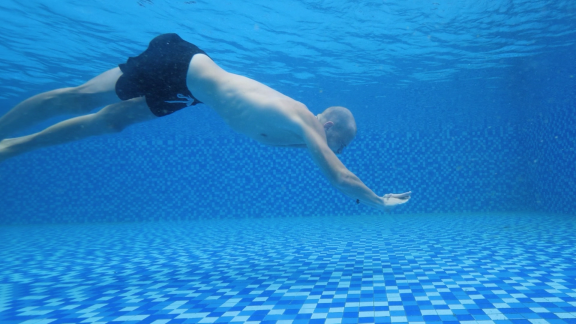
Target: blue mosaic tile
147 178
550 149
444 268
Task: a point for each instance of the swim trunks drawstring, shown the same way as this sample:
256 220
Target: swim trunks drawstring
189 100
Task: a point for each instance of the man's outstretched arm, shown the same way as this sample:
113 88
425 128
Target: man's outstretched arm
338 175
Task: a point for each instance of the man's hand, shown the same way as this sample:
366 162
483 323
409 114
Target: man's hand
391 200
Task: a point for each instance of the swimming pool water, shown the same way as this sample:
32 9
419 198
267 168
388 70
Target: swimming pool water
469 104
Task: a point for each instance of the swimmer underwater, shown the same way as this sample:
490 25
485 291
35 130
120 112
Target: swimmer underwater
172 74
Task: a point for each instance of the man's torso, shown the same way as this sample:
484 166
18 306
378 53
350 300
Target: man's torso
247 106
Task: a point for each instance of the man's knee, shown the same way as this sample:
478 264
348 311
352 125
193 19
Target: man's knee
111 121
59 97
71 100
86 99
116 117
81 99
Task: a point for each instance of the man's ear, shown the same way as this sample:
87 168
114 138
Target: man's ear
327 125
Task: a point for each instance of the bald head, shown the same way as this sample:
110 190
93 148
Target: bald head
339 125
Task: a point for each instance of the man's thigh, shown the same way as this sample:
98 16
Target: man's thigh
102 88
125 113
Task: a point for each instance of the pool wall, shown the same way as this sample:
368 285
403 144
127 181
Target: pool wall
523 161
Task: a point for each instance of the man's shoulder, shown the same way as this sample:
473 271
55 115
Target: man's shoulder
301 119
297 112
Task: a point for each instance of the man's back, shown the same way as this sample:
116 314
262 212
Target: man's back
247 106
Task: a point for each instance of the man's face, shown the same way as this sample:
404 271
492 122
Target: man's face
337 142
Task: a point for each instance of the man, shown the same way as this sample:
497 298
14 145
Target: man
173 74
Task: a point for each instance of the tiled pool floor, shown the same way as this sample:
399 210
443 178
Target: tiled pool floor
470 268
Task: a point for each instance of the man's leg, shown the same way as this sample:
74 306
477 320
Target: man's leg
111 119
98 92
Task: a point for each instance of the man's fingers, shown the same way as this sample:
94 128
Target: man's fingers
396 201
403 195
